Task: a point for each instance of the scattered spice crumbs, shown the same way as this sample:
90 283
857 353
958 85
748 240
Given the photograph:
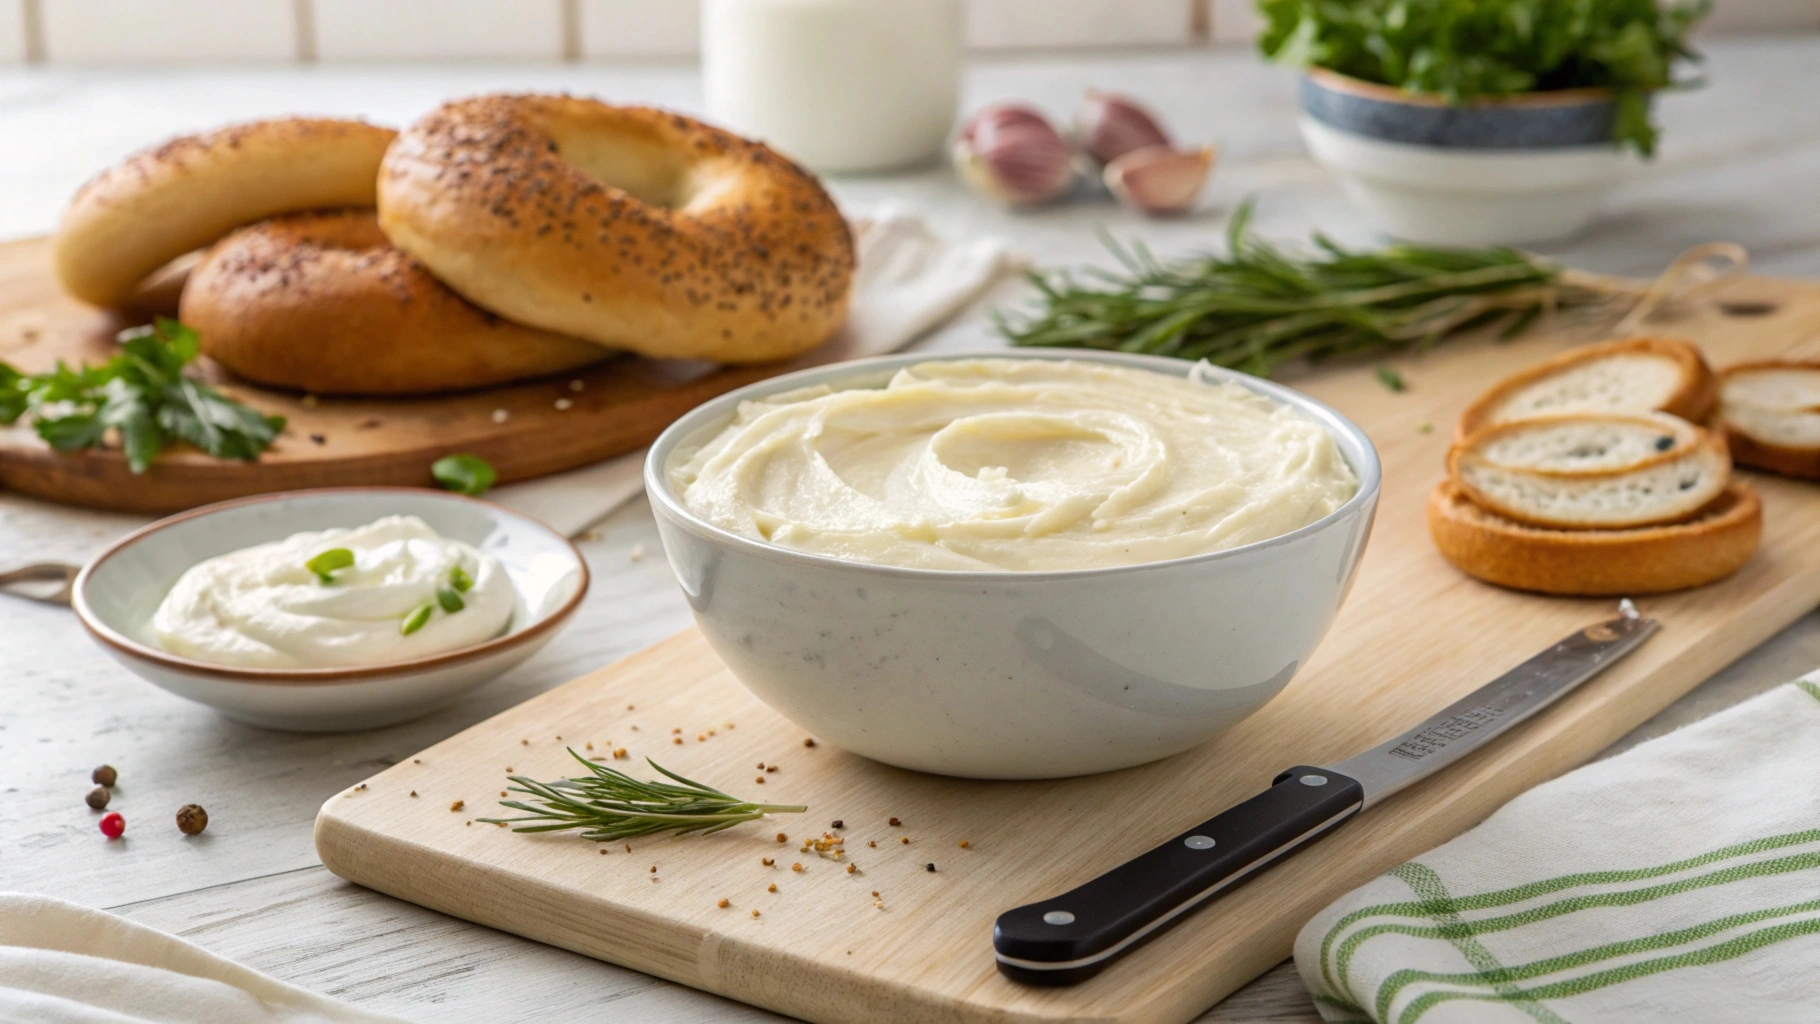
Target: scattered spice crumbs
413 792
676 740
782 838
770 768
360 787
894 821
965 844
525 742
808 741
416 760
838 823
754 911
871 843
904 839
724 903
760 779
929 867
771 888
457 805
798 866
603 851
654 869
619 754
852 869
766 861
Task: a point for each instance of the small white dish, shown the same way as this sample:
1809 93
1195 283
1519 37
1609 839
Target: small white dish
118 592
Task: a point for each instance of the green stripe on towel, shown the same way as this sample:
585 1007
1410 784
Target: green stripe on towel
1530 890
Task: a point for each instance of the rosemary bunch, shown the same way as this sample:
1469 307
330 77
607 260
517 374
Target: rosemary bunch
1260 306
608 805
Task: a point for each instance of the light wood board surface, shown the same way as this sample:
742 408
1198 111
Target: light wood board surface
1414 636
620 406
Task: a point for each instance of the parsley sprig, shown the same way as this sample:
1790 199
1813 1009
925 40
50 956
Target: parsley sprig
142 396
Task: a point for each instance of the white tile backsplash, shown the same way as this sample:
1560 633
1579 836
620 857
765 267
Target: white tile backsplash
12 31
431 29
1018 24
1762 16
171 32
1237 21
640 28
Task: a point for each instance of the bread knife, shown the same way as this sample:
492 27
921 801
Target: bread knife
1072 937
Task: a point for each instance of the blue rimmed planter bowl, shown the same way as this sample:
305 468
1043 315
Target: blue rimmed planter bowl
1505 171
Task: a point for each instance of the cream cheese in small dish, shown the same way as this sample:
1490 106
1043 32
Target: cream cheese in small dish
390 591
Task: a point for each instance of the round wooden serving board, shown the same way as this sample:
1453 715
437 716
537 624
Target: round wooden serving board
330 442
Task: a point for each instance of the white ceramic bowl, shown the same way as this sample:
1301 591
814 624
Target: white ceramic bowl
1009 675
116 595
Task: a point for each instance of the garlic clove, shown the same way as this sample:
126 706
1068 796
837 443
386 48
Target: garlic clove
1013 154
1109 126
1159 180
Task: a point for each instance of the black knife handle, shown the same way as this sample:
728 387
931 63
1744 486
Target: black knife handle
1072 937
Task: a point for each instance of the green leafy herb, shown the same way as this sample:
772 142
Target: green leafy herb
1260 306
1464 49
609 805
326 564
464 474
142 396
459 579
1391 379
450 599
416 620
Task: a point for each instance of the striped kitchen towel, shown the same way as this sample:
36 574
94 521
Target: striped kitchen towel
1678 882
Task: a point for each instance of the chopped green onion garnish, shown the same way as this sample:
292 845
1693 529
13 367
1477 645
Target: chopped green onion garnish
460 580
415 621
326 564
451 601
464 474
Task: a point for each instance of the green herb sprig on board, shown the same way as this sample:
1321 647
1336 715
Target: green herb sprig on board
142 396
1464 49
1260 306
608 805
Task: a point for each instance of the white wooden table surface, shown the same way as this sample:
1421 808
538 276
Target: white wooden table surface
1741 161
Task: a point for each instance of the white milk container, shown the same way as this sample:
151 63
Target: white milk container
838 85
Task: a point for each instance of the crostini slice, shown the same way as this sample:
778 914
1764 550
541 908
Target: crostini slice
1592 470
1628 375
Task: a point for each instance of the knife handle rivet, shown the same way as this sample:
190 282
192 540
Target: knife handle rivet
1058 917
1198 842
1314 780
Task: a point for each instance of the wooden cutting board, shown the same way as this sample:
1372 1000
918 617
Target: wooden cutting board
621 406
1414 636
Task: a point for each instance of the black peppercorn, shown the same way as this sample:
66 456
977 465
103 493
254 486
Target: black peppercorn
97 797
191 819
928 867
104 775
838 823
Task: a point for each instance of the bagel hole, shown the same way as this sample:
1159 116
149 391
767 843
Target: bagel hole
649 172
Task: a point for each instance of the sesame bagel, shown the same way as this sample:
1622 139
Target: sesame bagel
321 302
631 227
161 203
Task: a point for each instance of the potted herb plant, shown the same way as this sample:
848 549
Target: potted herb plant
1480 122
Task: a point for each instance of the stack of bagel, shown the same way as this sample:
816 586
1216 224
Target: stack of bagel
498 238
1593 474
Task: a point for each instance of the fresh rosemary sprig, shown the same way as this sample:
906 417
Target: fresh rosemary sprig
1259 306
609 805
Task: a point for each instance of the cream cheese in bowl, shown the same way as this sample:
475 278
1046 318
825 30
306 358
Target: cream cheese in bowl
392 590
1017 464
1019 565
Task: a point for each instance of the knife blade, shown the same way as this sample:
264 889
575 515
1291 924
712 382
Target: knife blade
1074 936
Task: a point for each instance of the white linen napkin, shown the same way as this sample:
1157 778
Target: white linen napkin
1676 882
66 964
908 281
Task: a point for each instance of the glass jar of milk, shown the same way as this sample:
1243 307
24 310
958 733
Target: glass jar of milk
838 85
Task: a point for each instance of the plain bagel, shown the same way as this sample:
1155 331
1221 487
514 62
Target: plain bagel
321 302
157 205
631 227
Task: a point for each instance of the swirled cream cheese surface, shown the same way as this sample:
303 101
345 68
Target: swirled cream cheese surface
1016 464
266 607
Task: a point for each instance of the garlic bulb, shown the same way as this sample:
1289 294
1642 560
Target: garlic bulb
1159 179
1109 126
1013 154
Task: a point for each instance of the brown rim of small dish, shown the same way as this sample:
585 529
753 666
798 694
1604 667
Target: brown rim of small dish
1330 79
312 676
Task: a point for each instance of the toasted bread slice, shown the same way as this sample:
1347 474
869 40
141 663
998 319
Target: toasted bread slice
1594 563
1630 375
1592 470
1771 412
